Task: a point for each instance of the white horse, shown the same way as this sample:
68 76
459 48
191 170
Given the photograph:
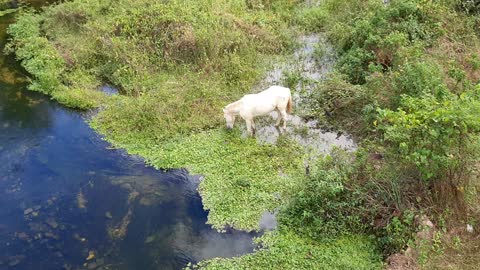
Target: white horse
275 98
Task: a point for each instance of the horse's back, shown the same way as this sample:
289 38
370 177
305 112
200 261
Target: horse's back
276 90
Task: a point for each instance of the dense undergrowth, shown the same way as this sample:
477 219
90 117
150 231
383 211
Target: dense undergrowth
406 84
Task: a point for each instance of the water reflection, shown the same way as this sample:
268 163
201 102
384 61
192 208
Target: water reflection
68 202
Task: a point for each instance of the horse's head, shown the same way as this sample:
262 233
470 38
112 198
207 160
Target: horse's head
230 118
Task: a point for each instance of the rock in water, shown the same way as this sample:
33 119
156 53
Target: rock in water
52 223
91 255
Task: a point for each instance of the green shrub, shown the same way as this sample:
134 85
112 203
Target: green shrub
418 79
338 103
38 56
325 207
439 136
375 39
398 233
468 6
349 193
313 19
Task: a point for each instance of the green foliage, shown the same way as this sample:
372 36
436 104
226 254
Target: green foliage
398 234
468 6
81 98
313 19
417 80
325 207
337 103
376 38
286 250
439 136
292 78
5 4
355 64
38 56
136 45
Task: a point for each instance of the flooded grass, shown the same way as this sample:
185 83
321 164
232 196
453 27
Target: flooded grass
308 69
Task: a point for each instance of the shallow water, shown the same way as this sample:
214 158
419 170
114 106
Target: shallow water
66 197
312 69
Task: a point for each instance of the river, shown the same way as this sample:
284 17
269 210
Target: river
68 201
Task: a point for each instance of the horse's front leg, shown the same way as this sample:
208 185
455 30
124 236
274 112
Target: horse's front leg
249 126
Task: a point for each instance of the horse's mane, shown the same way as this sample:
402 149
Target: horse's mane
232 105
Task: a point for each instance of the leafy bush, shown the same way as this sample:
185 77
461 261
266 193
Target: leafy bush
375 39
398 233
38 56
439 136
468 6
416 80
325 207
338 103
349 193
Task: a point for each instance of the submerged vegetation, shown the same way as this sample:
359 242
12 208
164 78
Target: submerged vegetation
405 84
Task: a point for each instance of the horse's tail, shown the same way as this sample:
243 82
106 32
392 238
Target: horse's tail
289 104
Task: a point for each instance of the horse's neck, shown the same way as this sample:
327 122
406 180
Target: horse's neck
234 107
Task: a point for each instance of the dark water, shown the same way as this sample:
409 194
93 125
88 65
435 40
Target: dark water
64 195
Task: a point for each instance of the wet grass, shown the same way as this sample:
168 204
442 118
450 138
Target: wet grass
285 250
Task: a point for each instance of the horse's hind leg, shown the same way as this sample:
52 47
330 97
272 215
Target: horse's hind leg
279 118
284 118
254 128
